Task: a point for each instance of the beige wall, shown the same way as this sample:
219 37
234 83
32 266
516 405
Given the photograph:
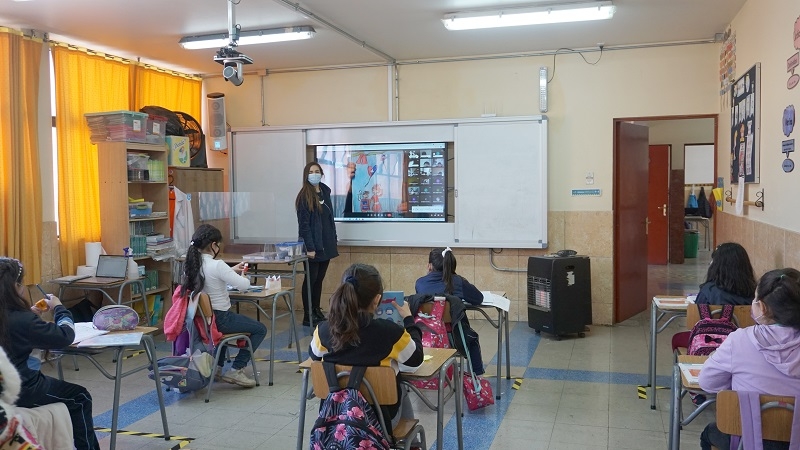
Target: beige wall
583 101
764 34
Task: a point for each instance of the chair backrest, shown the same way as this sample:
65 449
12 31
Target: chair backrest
427 308
741 315
204 302
776 422
381 379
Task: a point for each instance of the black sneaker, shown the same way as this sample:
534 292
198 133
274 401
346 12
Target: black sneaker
698 399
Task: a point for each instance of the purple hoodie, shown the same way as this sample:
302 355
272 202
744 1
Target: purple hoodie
760 358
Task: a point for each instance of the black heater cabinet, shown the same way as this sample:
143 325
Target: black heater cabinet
559 294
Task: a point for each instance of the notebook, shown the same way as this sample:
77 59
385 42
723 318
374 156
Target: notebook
110 269
386 310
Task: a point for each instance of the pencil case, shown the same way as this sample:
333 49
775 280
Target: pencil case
115 318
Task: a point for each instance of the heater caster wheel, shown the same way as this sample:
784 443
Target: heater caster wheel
581 335
537 331
558 338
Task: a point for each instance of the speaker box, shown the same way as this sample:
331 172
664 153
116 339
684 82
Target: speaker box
217 126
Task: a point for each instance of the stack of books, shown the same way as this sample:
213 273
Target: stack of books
160 247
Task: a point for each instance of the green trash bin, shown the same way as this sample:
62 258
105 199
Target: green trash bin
691 240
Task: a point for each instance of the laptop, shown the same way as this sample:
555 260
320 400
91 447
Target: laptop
385 308
110 269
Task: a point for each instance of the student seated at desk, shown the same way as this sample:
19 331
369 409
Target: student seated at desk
443 279
730 279
48 426
351 336
22 330
764 358
202 272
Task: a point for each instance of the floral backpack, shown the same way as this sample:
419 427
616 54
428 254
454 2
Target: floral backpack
346 420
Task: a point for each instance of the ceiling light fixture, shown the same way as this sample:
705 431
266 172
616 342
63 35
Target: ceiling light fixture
511 17
248 37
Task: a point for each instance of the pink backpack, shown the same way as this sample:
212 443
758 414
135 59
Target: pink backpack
709 333
434 335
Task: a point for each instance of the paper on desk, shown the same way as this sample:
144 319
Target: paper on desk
691 372
86 330
492 299
113 340
670 301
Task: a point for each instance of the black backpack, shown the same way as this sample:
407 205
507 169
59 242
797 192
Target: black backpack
346 419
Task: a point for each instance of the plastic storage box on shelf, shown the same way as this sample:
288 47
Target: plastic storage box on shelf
140 209
138 164
127 126
156 129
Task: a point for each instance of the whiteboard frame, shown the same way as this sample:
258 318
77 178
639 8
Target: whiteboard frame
377 234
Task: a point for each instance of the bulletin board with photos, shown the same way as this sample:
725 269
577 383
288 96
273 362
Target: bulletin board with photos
745 126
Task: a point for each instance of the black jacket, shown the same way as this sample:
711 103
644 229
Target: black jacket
317 228
711 294
27 331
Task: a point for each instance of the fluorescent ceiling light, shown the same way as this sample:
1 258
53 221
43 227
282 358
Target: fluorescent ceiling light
248 37
511 17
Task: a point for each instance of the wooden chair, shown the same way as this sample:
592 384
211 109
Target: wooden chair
229 340
378 388
776 416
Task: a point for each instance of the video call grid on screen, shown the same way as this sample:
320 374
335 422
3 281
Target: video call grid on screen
397 182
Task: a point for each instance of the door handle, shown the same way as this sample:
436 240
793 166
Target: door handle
646 226
663 209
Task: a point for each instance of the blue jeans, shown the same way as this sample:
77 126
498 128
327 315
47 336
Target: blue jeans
229 322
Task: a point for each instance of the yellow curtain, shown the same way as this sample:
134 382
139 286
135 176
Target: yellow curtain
20 187
85 83
170 90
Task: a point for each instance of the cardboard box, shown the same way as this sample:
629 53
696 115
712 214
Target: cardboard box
178 151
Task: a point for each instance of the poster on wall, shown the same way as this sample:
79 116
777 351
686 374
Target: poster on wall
745 126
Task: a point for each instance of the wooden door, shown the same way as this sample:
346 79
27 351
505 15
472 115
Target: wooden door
631 154
657 201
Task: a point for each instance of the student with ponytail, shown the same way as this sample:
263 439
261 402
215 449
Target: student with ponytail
353 337
442 278
203 272
764 358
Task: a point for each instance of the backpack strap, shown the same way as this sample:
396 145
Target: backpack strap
356 376
750 410
727 313
704 310
794 440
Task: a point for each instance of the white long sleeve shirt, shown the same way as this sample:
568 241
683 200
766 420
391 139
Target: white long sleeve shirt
218 276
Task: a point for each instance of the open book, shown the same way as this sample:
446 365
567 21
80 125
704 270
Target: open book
113 340
671 301
691 372
86 330
492 299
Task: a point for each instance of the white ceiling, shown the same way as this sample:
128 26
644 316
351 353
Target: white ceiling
405 30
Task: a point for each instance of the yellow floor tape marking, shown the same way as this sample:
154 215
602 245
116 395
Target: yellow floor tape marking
642 390
135 353
150 435
517 383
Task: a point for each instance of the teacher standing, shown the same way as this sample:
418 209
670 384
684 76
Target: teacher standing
318 230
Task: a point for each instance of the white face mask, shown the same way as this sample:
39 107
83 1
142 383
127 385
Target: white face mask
756 319
314 178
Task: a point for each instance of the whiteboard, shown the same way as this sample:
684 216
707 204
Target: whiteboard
267 168
499 181
698 163
501 189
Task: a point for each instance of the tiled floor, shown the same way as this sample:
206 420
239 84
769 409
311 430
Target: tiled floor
574 393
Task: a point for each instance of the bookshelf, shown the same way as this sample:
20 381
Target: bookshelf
117 226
